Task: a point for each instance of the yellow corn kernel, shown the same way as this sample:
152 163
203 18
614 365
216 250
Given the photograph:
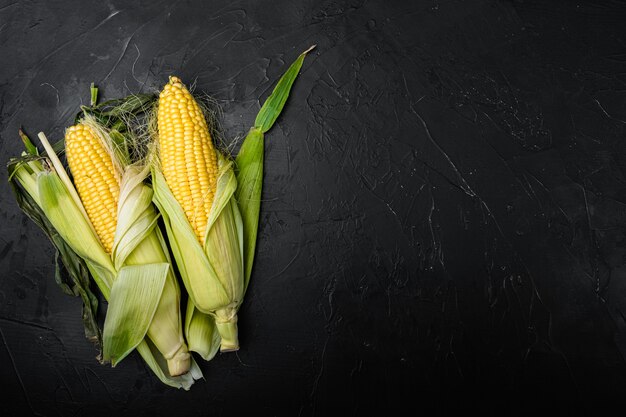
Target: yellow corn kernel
187 156
95 179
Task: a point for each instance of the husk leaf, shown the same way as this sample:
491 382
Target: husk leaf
201 333
134 299
200 278
67 219
71 272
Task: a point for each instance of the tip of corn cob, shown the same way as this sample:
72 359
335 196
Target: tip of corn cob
174 87
175 80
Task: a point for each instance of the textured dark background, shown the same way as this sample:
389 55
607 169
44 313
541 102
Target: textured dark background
444 214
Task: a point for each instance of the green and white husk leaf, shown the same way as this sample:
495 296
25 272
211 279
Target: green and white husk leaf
133 301
136 217
224 235
157 364
74 278
61 210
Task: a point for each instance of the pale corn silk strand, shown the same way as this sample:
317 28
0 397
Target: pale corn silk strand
187 156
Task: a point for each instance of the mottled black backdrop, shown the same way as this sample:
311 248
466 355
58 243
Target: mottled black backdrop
443 226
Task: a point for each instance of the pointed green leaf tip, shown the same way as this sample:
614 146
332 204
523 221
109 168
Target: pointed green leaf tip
94 94
30 147
276 101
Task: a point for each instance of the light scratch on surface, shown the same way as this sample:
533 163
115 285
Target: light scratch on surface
321 371
25 323
132 70
9 5
119 59
286 266
55 89
464 185
606 113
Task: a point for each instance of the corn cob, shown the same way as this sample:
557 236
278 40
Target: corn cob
96 180
188 159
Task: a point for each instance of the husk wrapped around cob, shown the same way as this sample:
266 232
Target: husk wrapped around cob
211 211
109 226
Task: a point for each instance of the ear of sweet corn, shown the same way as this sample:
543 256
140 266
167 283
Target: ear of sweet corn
216 267
145 278
194 186
97 176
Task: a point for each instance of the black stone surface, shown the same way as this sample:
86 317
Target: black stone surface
444 211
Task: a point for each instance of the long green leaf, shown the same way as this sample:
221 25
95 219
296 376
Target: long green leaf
276 101
249 187
249 162
134 299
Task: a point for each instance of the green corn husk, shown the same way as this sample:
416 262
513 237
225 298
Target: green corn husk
201 333
212 273
71 272
137 279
